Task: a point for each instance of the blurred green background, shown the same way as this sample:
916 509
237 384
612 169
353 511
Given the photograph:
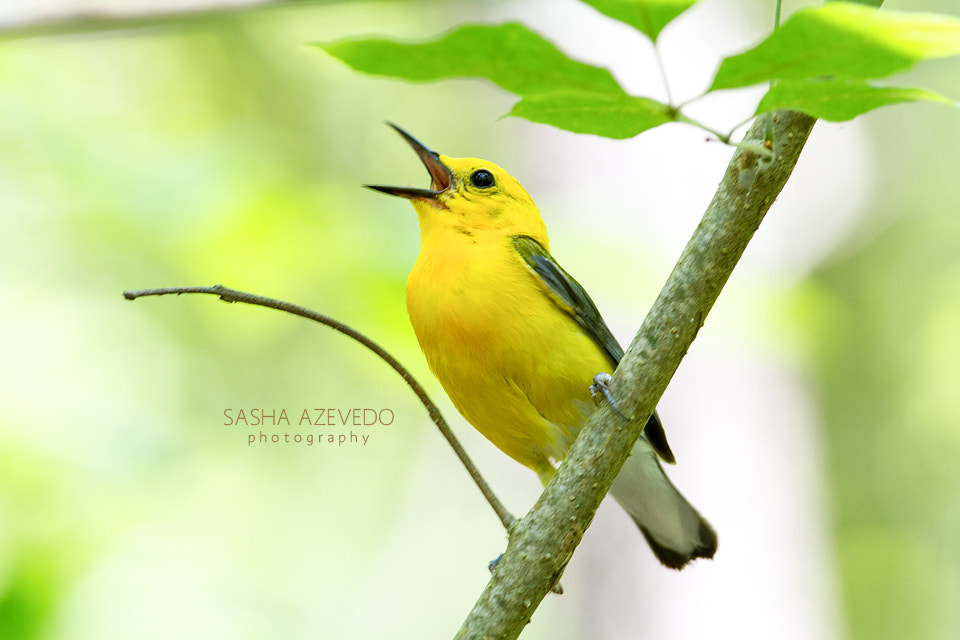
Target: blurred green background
815 419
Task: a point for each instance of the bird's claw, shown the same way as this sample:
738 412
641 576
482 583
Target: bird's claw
601 386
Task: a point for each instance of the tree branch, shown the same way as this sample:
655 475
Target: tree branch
45 19
542 542
233 295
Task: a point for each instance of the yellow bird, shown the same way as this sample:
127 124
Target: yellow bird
515 341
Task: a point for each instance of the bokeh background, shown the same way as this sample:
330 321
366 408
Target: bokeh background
815 419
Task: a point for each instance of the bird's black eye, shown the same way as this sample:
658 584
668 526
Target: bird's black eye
482 179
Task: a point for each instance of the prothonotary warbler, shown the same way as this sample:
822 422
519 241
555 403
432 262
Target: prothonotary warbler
516 341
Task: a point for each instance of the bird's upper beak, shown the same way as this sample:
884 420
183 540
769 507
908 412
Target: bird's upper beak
440 176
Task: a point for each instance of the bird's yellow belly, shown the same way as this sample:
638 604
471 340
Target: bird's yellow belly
514 364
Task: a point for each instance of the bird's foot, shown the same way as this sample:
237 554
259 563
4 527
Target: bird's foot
601 386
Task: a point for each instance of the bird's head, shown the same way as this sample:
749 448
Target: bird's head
470 196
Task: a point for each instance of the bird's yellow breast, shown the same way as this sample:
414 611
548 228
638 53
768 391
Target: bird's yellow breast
515 364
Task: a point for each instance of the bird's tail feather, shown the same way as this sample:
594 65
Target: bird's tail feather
672 527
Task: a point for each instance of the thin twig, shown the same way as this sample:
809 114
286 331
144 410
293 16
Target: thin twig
233 295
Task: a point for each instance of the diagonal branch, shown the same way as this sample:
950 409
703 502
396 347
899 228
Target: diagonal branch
232 295
542 542
27 20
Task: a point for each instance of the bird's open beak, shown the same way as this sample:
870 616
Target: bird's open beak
440 176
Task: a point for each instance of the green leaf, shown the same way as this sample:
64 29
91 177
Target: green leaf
556 90
839 99
510 55
842 39
603 114
648 16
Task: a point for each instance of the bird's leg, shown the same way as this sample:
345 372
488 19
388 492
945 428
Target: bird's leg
600 387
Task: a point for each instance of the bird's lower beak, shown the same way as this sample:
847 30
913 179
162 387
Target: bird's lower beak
440 176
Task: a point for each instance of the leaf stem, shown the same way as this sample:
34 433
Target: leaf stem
722 137
663 73
740 124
